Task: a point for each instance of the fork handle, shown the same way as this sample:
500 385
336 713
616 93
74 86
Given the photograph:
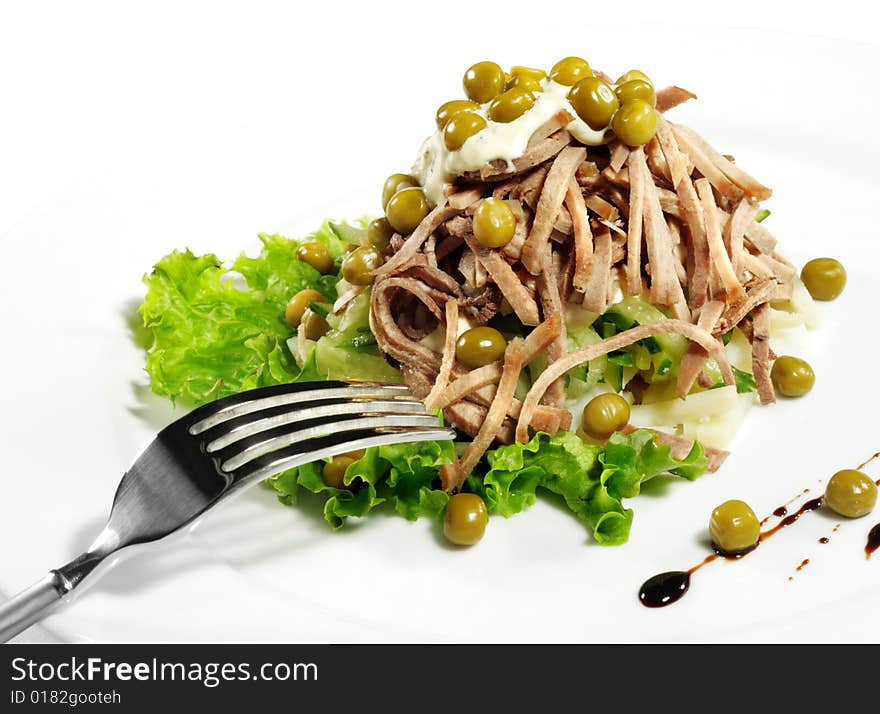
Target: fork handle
31 605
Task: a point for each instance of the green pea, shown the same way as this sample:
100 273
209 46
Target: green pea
851 493
734 528
298 304
314 325
570 70
462 127
480 346
518 71
631 75
316 255
511 105
379 234
636 89
792 376
465 519
824 278
635 123
483 81
494 223
450 109
358 265
604 415
406 209
594 102
395 183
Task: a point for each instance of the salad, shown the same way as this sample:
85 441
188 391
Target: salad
584 289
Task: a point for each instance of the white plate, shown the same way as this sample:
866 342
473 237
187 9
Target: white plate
77 410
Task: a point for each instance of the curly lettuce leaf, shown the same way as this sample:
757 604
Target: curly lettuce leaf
212 337
406 475
592 480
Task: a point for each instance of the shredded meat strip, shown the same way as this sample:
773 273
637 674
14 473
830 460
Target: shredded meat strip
551 304
695 358
598 274
760 238
734 232
468 386
465 415
636 217
761 353
346 297
671 97
717 250
758 293
552 196
665 288
619 155
583 237
388 334
513 249
448 360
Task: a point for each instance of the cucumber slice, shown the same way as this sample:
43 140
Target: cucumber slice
635 311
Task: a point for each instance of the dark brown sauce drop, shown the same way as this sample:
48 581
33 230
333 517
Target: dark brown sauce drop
665 588
873 541
804 563
778 513
823 540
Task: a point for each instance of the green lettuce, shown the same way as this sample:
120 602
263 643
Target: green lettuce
592 480
404 475
213 336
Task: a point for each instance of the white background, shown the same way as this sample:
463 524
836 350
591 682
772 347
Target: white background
81 81
86 86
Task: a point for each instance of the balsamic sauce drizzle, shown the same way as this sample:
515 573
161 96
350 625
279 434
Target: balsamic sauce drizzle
669 587
873 541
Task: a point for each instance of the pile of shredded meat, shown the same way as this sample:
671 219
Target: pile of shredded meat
673 221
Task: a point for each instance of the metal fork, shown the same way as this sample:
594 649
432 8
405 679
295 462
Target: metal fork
218 450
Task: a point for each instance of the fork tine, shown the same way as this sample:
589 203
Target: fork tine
228 432
236 405
322 447
252 447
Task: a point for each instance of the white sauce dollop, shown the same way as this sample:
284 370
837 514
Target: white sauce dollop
436 167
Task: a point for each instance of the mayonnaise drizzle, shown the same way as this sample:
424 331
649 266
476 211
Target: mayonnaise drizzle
436 166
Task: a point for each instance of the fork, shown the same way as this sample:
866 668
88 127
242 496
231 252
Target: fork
216 451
